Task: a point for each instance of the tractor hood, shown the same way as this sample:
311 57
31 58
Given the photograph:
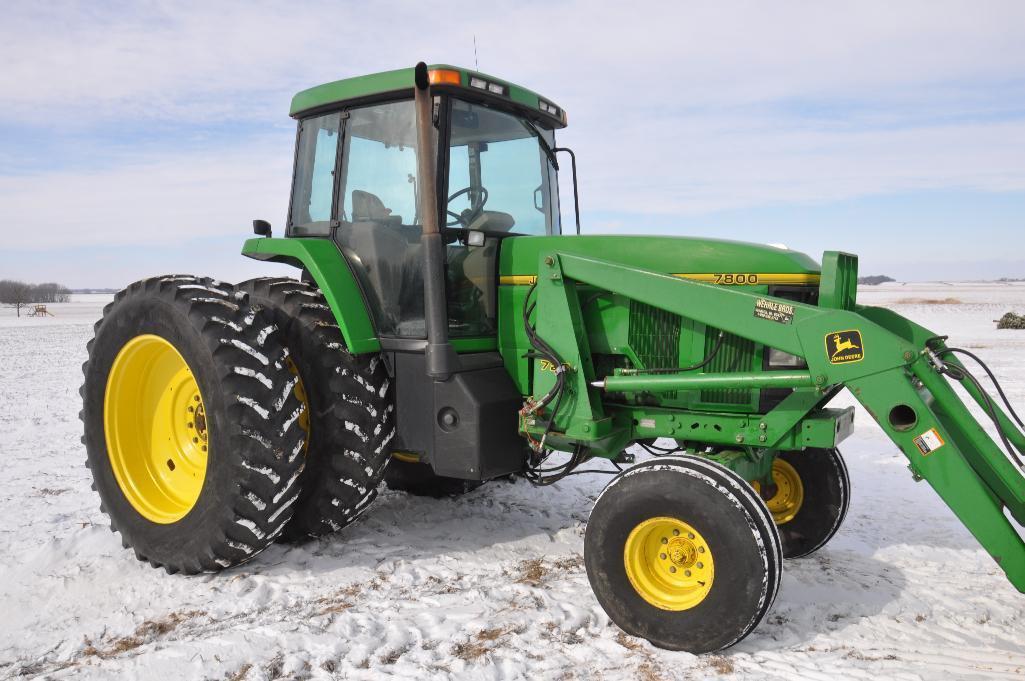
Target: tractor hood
716 261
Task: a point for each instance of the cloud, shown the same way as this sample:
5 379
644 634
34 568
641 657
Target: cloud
152 201
675 109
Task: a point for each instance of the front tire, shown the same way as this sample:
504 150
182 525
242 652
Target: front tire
190 424
813 492
681 552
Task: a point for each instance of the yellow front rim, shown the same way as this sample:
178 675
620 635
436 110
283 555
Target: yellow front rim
156 429
786 502
669 563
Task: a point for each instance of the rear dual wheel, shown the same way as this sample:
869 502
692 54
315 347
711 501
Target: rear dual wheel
680 551
191 424
351 419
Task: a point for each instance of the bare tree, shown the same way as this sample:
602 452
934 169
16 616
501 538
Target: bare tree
52 292
16 294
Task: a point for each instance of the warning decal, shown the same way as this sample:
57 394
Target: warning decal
928 442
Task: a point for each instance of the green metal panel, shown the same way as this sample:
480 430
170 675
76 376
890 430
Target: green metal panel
401 81
665 254
321 258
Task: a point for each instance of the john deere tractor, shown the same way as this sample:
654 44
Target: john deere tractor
442 330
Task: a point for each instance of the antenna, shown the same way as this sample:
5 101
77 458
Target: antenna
476 66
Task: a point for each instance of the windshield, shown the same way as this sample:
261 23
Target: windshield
500 178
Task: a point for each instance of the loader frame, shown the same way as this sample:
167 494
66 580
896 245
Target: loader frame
893 372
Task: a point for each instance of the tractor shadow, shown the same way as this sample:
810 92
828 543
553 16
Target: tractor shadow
400 526
824 593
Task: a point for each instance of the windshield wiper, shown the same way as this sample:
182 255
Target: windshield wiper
532 129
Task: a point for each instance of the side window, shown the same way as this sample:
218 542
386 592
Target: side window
313 191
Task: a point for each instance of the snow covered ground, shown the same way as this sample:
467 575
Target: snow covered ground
488 586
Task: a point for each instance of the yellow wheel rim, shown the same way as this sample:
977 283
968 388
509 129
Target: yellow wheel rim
669 563
156 429
300 394
786 503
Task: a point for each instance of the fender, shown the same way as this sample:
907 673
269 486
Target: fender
325 263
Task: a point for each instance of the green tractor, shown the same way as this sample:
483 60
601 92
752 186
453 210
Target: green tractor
443 331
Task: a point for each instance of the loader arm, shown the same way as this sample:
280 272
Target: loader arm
886 361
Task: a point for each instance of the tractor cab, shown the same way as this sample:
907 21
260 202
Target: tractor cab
357 181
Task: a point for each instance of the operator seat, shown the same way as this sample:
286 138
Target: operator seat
374 235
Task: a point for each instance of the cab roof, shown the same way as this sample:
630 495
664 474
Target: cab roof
444 77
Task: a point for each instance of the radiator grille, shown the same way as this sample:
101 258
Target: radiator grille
735 355
654 337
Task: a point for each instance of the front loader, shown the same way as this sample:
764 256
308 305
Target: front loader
442 331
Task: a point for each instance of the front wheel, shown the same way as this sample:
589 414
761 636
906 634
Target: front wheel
681 552
810 500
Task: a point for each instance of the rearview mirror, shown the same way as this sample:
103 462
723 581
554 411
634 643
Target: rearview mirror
261 228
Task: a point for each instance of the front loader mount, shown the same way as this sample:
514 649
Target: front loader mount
902 373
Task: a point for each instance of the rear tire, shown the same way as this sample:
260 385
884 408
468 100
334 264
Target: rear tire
825 498
681 552
190 424
350 404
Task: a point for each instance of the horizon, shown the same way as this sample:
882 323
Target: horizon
893 132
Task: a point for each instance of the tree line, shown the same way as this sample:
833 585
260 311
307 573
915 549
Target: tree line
18 294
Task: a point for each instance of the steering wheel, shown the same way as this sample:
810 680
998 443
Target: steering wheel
467 216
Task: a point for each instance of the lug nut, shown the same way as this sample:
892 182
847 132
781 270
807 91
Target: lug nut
672 569
686 573
662 556
676 533
664 540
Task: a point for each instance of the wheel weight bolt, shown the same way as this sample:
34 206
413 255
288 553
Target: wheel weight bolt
686 573
664 540
662 556
676 533
191 409
195 439
672 569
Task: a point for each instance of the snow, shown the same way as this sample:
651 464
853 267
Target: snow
488 586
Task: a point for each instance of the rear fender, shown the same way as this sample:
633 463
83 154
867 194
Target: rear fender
325 263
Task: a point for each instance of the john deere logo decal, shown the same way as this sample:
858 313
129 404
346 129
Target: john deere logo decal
843 347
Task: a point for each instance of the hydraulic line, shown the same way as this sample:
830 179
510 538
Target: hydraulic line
961 374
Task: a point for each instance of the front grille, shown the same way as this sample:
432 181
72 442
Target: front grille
654 336
736 354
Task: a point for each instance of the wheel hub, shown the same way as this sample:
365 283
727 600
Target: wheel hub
789 492
669 563
156 429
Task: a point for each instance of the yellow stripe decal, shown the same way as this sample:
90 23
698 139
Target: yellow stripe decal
720 278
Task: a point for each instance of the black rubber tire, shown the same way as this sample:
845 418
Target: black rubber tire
827 495
255 457
738 528
419 479
352 417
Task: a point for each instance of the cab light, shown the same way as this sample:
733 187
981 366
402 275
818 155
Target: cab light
548 108
444 77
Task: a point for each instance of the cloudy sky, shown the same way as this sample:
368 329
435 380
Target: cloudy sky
138 138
